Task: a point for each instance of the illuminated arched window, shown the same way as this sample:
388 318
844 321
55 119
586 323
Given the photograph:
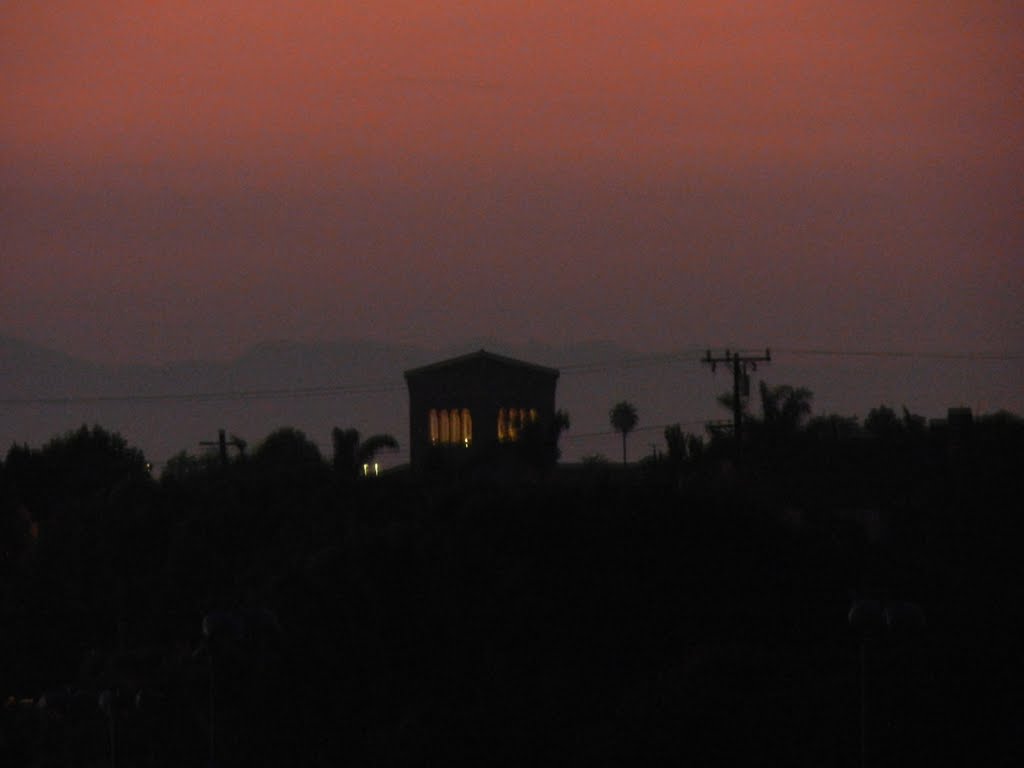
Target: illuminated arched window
533 415
455 425
513 424
445 436
467 427
502 425
435 435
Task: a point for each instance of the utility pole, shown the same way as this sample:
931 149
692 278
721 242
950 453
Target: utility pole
222 444
740 382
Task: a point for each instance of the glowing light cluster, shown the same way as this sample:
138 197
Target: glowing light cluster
451 427
512 420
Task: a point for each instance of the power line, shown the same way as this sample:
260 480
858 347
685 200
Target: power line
608 433
896 354
740 364
222 444
213 396
696 357
586 368
632 362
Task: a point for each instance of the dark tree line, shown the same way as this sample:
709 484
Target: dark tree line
601 617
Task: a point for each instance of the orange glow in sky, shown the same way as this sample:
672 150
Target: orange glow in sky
181 179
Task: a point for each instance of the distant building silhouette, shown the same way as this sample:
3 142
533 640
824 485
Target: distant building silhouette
956 426
467 406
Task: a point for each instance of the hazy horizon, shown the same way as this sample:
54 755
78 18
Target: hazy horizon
314 387
184 180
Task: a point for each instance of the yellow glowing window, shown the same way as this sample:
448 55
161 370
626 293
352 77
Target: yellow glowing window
455 422
512 420
450 427
445 433
435 430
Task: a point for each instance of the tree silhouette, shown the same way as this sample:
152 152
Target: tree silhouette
833 426
287 447
538 440
351 453
285 459
883 423
785 408
623 418
91 458
675 440
913 423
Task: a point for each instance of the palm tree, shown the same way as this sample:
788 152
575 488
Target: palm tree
351 453
623 418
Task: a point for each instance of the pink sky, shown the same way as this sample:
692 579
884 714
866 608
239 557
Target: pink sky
182 179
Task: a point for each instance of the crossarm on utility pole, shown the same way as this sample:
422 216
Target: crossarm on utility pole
740 365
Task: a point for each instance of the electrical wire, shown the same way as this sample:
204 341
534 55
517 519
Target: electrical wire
607 433
587 368
216 396
951 356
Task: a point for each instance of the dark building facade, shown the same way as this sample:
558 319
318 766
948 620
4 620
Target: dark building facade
466 406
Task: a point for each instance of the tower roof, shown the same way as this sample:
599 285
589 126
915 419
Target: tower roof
481 354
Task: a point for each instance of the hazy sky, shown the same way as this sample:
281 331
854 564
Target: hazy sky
181 179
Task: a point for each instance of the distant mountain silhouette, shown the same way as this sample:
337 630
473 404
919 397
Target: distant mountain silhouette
29 369
164 409
167 408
